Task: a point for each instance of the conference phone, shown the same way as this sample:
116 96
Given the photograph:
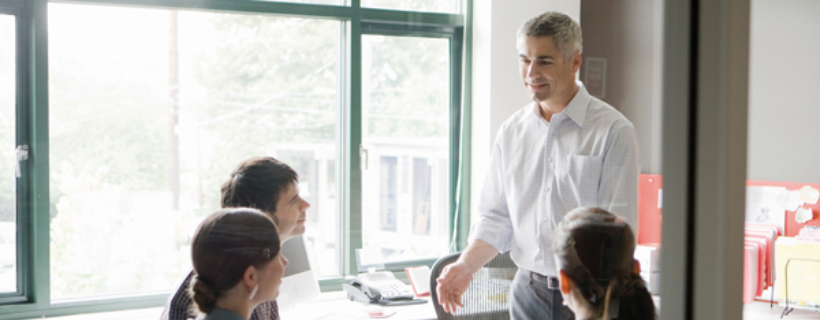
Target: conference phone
379 287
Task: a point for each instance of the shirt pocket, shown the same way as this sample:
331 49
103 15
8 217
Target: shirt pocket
582 175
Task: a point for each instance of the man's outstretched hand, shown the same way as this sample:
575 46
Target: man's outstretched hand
451 285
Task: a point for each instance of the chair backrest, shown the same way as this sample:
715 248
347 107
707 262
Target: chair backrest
486 298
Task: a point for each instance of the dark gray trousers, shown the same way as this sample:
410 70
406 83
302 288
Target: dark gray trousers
531 299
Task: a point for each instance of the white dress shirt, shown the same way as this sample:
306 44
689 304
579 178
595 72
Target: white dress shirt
539 170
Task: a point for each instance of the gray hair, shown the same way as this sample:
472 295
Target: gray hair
565 32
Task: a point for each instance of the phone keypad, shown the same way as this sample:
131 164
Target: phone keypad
394 288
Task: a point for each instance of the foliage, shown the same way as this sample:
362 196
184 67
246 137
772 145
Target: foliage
407 96
270 82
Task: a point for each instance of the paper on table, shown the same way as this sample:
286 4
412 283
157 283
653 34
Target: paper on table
765 205
420 280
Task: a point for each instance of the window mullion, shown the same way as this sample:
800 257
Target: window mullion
463 211
458 215
353 200
39 155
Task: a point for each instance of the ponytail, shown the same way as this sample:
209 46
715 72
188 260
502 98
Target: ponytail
636 303
608 299
203 295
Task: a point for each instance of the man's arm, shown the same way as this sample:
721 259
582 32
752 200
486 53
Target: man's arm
618 191
178 306
455 278
491 234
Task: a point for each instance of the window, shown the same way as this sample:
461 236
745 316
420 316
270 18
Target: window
8 179
405 124
146 126
144 110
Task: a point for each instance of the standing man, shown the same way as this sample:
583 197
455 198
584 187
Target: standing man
564 150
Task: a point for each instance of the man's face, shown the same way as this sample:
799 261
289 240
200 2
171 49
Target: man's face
544 71
291 213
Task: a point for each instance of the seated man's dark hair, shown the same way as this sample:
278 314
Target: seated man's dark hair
257 183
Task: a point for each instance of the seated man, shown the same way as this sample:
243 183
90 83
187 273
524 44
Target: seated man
262 183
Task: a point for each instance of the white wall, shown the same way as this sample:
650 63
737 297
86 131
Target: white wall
497 88
784 108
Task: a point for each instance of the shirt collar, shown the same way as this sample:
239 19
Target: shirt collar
577 107
575 110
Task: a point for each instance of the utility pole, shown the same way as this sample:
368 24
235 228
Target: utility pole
173 116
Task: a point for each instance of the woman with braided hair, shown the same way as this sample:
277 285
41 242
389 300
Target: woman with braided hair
237 263
599 277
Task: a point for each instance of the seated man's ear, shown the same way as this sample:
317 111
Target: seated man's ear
636 267
566 283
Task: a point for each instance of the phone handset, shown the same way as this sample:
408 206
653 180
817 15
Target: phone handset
379 287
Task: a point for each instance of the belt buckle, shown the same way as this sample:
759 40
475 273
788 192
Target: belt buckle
552 283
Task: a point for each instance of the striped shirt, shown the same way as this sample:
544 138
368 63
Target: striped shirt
179 305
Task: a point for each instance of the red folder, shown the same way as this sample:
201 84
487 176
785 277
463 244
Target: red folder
771 232
761 226
749 273
649 215
768 243
760 244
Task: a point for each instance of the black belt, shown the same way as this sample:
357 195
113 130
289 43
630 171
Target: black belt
551 282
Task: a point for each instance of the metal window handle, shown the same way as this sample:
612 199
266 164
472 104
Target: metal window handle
363 155
22 154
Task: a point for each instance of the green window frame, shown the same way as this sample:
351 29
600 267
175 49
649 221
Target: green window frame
32 298
20 10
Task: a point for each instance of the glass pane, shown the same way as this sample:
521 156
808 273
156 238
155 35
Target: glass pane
150 114
782 180
405 131
8 180
622 65
442 6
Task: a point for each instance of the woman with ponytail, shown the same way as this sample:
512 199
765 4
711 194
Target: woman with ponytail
237 263
599 277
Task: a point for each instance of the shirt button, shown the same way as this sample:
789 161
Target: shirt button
548 189
549 159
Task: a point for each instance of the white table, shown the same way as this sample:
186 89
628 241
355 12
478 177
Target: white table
334 305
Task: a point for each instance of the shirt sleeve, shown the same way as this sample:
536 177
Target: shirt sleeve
618 190
267 310
494 225
179 305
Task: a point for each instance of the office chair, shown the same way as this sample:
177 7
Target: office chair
486 298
